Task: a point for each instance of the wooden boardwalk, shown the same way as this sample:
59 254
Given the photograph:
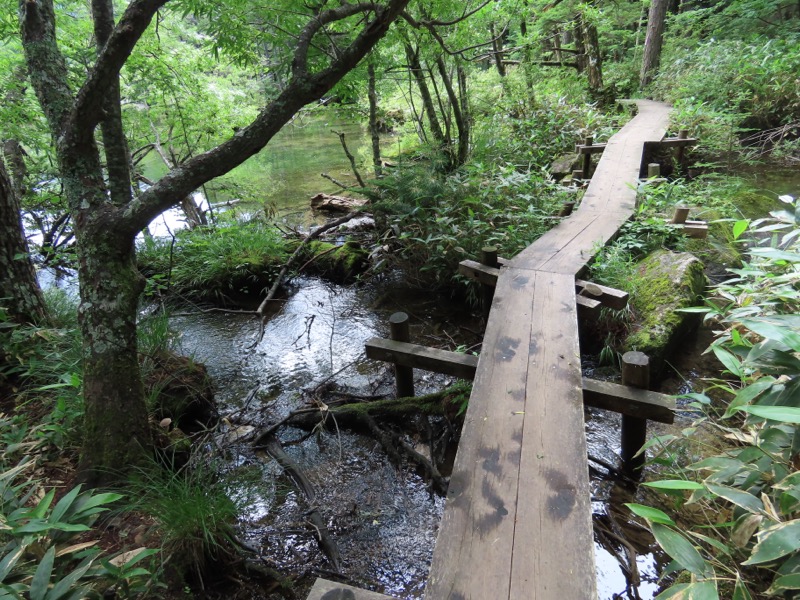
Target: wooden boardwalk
517 523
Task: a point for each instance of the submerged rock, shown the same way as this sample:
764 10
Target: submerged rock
669 281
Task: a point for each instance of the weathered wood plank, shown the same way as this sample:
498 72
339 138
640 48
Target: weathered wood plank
593 149
473 554
479 272
422 357
677 142
629 401
553 549
330 590
610 297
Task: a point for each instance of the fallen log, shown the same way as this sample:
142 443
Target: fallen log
334 203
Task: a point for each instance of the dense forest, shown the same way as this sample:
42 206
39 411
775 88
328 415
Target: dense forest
114 113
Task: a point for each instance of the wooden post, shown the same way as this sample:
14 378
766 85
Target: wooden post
488 258
682 135
403 376
587 158
680 216
566 209
653 170
577 175
635 373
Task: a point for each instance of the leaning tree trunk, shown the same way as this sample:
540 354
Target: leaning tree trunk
20 293
427 100
653 41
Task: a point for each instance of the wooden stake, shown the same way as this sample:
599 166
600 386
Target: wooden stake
587 158
566 209
488 258
635 373
682 135
403 376
653 170
680 216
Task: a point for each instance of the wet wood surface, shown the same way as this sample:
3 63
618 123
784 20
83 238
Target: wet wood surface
517 523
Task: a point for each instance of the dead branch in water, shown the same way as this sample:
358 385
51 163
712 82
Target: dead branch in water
261 310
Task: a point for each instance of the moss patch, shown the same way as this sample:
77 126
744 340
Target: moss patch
669 281
341 263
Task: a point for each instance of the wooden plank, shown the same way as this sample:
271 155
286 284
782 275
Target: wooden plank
473 553
553 544
422 357
478 272
629 401
593 149
610 297
677 142
331 590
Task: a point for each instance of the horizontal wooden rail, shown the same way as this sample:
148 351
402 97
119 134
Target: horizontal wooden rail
598 394
593 149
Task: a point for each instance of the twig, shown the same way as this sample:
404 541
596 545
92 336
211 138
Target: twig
351 158
261 310
335 181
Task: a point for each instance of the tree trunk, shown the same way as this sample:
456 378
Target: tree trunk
594 70
653 41
425 94
373 120
20 293
117 434
497 50
462 125
116 425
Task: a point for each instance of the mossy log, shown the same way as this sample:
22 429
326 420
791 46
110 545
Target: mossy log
446 403
669 282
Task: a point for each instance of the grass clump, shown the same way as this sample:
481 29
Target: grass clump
192 513
214 264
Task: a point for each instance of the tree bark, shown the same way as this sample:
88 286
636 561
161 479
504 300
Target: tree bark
462 124
20 293
594 63
116 427
497 50
373 120
653 41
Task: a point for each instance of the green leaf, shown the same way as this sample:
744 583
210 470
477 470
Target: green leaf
41 578
738 497
699 590
739 228
785 583
728 360
9 560
65 503
775 328
740 591
65 585
774 542
651 514
674 484
785 414
680 549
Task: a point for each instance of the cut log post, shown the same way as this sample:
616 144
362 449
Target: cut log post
635 373
566 209
577 175
653 170
680 216
587 158
403 376
681 153
489 259
696 229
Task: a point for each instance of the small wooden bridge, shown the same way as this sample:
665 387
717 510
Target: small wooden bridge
517 523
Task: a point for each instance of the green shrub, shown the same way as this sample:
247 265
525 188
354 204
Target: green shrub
745 536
